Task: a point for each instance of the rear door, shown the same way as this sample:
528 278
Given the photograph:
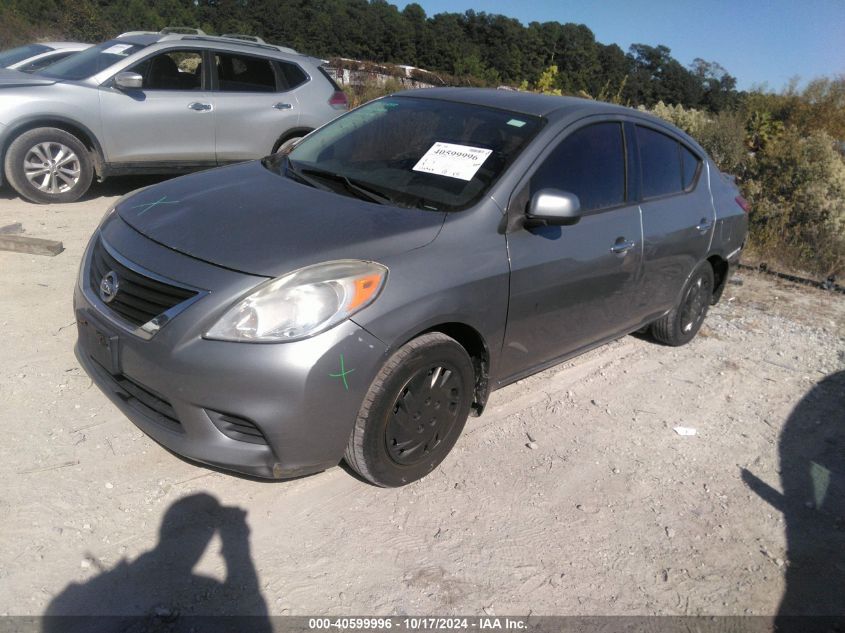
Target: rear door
254 102
169 120
572 286
678 215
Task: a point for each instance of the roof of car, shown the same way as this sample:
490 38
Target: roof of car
64 45
145 38
524 102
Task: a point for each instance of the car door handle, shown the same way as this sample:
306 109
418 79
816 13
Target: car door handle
199 107
621 247
704 225
283 106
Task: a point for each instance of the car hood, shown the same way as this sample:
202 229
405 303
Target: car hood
15 78
250 219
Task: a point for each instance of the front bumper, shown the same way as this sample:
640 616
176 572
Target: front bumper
267 410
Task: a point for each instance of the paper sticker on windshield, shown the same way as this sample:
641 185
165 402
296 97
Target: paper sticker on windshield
118 49
454 161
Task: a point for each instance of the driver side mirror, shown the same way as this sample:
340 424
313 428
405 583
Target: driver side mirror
128 80
552 207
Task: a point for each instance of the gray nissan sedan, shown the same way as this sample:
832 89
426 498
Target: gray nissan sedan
358 297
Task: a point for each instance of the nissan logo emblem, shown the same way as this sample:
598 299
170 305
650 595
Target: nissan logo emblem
108 286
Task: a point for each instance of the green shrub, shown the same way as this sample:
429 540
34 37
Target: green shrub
793 176
371 89
797 191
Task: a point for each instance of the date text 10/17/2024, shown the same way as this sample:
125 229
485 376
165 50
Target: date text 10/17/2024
419 624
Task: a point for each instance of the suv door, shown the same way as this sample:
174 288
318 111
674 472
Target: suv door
168 120
678 215
254 104
568 288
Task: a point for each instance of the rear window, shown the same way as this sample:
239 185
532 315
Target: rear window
691 164
292 75
660 159
15 55
244 73
92 60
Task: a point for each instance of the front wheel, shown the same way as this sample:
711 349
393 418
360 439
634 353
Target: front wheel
413 412
48 165
680 325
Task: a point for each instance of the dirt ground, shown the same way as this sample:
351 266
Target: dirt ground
612 513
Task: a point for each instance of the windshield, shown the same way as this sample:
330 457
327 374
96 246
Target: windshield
413 152
91 61
15 55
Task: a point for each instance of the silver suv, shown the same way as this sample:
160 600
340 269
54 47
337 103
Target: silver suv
156 103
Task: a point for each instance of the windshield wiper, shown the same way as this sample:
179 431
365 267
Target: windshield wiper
299 176
353 186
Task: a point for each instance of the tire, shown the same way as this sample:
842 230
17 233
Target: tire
680 325
48 165
413 413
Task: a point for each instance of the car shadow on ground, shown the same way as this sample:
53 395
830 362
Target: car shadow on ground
812 477
116 186
121 185
160 589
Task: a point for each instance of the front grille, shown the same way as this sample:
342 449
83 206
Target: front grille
237 428
149 403
139 298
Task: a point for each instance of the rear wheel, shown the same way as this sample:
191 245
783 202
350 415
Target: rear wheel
47 165
680 325
413 413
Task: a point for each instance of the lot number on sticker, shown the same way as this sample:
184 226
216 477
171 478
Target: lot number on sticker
454 161
118 49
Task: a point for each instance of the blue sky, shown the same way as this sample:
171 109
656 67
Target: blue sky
758 42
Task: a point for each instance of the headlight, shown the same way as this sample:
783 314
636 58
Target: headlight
303 303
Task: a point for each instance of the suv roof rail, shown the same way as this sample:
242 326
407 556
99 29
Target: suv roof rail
245 38
181 30
130 33
217 38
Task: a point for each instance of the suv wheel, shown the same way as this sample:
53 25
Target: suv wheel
682 323
47 165
413 412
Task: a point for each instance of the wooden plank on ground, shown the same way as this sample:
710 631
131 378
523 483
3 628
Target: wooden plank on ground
11 229
31 245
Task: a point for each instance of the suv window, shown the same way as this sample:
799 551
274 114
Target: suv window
292 75
173 70
660 159
590 163
242 73
691 164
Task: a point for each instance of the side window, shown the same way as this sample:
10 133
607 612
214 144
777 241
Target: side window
660 159
173 70
590 163
292 75
691 164
242 73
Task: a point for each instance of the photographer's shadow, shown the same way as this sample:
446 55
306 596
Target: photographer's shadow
161 584
812 475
